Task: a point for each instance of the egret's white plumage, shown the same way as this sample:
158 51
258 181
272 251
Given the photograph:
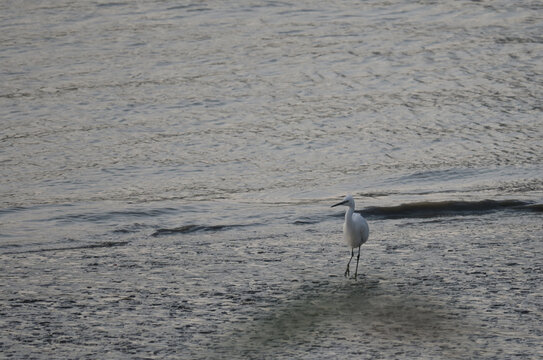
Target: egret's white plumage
355 229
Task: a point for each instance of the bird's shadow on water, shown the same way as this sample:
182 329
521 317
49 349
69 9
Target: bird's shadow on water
320 314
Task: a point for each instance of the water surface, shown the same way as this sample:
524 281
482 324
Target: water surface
167 172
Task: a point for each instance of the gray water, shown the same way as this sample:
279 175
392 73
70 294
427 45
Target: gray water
167 171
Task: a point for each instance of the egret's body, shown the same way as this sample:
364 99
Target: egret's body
355 230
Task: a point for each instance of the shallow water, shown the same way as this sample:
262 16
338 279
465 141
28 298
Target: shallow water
167 172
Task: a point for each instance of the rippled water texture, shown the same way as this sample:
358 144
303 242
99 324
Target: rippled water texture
168 167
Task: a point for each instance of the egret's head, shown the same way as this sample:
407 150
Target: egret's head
347 201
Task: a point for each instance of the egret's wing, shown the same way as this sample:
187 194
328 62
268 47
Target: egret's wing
362 226
358 220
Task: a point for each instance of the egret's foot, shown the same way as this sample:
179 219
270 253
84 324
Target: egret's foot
356 276
347 272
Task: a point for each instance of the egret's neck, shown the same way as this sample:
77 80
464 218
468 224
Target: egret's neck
349 214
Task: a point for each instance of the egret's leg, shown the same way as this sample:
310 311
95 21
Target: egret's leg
357 259
347 272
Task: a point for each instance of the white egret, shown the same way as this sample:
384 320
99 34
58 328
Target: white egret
355 229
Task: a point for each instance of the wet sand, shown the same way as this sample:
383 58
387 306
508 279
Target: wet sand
438 288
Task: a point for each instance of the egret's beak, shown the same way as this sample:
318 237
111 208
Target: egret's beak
341 203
